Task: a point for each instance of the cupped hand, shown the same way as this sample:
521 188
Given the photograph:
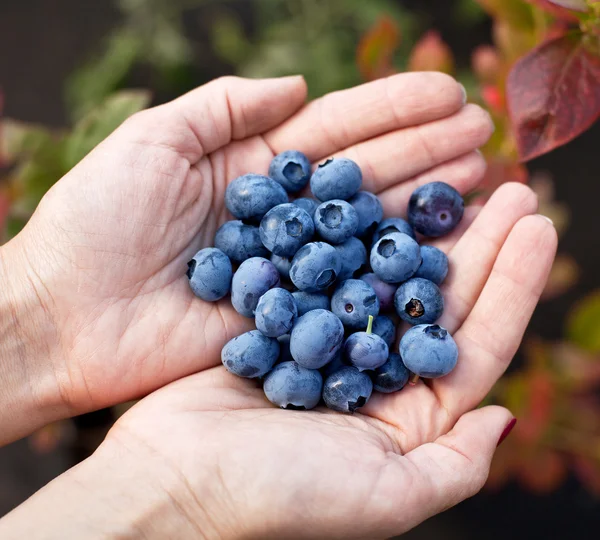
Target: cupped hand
104 256
237 467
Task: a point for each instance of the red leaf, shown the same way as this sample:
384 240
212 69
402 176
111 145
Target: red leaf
430 53
560 8
553 95
376 49
575 5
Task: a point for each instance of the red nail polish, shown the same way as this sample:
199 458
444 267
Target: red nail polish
507 430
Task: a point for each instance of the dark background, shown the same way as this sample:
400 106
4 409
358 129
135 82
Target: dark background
42 42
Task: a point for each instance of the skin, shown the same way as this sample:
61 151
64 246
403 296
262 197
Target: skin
97 310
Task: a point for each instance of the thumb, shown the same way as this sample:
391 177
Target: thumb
211 116
447 471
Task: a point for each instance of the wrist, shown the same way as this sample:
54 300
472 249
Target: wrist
112 494
28 389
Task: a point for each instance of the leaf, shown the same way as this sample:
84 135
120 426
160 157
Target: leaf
575 5
543 472
515 12
563 276
376 49
431 54
101 122
553 94
583 324
20 139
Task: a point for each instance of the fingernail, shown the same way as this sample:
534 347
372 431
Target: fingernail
506 431
547 219
464 93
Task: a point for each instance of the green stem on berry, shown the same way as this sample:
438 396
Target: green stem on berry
370 325
413 380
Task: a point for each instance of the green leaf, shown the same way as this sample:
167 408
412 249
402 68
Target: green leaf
101 122
92 83
583 325
19 138
228 38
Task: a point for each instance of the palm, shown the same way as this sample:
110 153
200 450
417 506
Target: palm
152 194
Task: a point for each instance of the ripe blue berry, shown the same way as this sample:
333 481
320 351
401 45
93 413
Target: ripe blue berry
419 301
391 376
250 355
308 301
384 291
308 205
253 278
336 221
291 386
353 301
291 169
210 274
347 389
435 209
392 225
338 178
428 351
370 213
240 241
276 312
434 266
315 267
283 265
316 338
285 229
385 328
353 256
365 351
251 196
395 257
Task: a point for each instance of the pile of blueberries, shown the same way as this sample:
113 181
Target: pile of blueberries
320 334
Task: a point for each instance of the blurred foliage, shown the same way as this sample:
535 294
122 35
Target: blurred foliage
339 43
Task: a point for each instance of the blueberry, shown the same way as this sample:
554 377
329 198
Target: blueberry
353 301
291 169
210 274
369 210
276 312
353 256
250 355
283 265
336 221
419 301
285 229
391 376
308 301
435 209
339 178
291 386
240 241
428 351
251 196
316 338
308 205
253 278
393 225
434 266
284 348
385 328
347 389
315 267
395 257
366 351
384 291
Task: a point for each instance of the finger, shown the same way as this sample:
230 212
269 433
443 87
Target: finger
472 258
211 116
490 336
395 157
446 243
344 118
439 475
464 173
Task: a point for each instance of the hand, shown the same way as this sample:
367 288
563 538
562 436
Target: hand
101 265
229 464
